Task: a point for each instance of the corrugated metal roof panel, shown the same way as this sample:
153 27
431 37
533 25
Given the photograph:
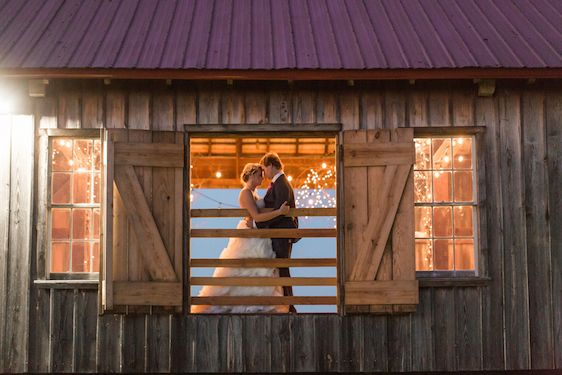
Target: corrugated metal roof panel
281 34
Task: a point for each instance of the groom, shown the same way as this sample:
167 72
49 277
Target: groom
279 191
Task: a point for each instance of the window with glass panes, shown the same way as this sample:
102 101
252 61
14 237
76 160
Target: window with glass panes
445 204
74 214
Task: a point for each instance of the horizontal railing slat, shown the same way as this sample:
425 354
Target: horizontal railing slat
263 233
263 300
239 212
266 263
263 281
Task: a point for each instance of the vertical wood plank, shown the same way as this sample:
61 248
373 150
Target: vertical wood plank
62 306
375 344
134 343
92 107
326 107
256 107
423 358
327 336
281 354
162 111
352 350
394 109
233 107
186 108
372 110
207 343
232 348
399 343
39 324
120 244
280 106
489 199
554 157
19 245
115 109
418 108
304 106
468 329
109 343
304 352
538 234
439 108
85 321
515 246
5 184
349 110
158 343
463 107
444 323
208 106
257 344
69 108
46 112
138 114
183 340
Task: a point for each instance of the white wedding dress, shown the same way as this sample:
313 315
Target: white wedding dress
239 248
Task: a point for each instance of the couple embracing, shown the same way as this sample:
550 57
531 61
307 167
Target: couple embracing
268 212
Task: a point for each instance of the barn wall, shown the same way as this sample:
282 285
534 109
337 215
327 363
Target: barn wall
513 322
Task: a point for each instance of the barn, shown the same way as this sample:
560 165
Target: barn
437 126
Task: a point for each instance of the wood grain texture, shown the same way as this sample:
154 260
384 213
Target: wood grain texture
468 335
444 329
303 339
158 343
263 300
281 350
537 224
423 356
375 343
381 292
232 337
39 324
490 199
554 156
238 212
257 344
62 330
5 187
85 322
263 281
260 262
516 293
109 343
147 293
134 343
263 233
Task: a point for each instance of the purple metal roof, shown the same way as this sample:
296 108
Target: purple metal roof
280 34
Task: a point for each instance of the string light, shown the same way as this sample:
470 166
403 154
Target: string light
313 192
290 178
218 174
422 191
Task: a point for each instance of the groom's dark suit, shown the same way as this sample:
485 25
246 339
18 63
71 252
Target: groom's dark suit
279 192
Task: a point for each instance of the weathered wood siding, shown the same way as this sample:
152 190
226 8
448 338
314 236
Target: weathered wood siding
16 211
513 322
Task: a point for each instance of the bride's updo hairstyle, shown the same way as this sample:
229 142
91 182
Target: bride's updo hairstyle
249 170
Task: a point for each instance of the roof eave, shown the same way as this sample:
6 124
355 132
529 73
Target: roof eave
285 74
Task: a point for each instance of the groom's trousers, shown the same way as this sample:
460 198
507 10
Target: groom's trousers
282 248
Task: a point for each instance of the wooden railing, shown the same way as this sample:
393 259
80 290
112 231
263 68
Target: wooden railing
263 263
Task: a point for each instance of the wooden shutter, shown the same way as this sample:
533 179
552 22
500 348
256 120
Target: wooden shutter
142 216
379 221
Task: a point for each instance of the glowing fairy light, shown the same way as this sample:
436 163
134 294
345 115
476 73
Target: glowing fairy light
218 174
324 165
446 159
460 158
290 178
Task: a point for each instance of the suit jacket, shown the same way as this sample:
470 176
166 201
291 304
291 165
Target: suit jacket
277 193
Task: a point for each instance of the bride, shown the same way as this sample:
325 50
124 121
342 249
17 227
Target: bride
251 177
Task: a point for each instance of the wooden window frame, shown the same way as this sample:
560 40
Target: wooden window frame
452 277
51 135
268 131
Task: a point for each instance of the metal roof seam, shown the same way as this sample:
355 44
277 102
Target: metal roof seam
377 39
546 21
353 36
189 33
396 37
11 19
168 32
416 34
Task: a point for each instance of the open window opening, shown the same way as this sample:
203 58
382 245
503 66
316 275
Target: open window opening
223 273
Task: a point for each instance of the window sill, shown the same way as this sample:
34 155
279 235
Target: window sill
444 282
66 284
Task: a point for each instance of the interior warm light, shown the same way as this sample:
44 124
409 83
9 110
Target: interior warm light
460 141
446 159
461 158
290 178
324 165
218 174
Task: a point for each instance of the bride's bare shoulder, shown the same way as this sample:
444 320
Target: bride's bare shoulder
245 194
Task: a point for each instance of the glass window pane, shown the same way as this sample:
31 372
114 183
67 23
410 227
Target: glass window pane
81 257
442 187
97 186
60 224
462 148
424 255
60 256
82 189
82 224
60 187
423 222
95 262
463 221
97 155
62 155
443 221
422 186
463 186
464 254
441 153
423 153
83 155
96 223
443 255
